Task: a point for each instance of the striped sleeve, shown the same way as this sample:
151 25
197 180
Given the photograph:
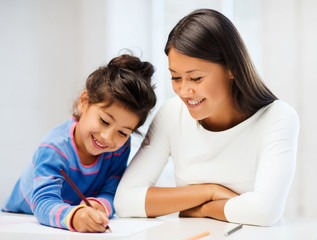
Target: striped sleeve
46 201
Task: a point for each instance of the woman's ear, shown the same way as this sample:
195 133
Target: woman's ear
230 74
82 102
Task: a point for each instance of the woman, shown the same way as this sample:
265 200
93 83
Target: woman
233 143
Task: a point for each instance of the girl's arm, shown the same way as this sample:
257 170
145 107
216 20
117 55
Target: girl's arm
46 201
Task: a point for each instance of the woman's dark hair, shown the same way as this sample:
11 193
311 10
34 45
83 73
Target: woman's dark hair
125 80
209 35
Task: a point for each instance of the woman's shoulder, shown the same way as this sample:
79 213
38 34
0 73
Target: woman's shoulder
280 108
170 114
279 111
173 109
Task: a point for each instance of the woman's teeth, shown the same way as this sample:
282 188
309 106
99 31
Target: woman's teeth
195 102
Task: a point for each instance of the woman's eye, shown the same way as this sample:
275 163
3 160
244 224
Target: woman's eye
176 78
195 79
104 122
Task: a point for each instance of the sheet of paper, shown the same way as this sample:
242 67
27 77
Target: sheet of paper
20 223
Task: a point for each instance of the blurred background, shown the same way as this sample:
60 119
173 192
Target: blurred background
49 47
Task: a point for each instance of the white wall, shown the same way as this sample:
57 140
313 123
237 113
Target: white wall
48 47
289 66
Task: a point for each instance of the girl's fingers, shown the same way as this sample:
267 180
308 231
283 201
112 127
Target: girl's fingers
94 205
90 220
99 220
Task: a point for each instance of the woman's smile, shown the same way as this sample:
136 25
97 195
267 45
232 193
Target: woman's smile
194 103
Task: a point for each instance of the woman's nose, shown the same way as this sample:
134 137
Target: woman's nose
185 89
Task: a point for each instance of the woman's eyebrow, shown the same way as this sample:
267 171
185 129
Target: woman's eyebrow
189 71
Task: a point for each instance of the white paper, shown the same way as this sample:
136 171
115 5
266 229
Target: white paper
121 227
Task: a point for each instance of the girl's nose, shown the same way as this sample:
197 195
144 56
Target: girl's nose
108 137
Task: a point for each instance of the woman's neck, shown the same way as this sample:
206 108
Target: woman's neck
223 122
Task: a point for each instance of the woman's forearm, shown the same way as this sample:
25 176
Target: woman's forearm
213 209
162 201
210 198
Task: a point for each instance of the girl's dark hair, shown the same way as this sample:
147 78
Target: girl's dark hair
209 35
125 80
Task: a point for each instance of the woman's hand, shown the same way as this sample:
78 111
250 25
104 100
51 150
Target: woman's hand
192 212
214 208
219 192
88 219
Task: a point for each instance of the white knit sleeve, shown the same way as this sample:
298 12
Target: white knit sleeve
277 160
145 168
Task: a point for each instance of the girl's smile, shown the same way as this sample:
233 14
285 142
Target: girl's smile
98 144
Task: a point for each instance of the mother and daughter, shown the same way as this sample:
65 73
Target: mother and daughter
232 142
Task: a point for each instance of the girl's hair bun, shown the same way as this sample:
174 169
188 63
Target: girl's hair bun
132 64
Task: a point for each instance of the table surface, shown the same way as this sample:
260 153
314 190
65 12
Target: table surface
183 228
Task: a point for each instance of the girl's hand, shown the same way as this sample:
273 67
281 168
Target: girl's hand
95 205
88 219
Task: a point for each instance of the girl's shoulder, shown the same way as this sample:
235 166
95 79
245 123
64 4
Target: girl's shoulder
61 133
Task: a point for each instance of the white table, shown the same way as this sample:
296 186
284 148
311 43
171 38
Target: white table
181 228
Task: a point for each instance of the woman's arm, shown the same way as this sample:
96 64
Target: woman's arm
213 209
199 200
145 168
264 205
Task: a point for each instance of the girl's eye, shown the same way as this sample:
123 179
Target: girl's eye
123 134
104 122
196 79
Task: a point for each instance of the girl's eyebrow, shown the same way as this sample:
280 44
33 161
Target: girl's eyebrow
112 117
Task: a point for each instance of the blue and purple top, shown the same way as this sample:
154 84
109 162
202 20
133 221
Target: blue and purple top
44 192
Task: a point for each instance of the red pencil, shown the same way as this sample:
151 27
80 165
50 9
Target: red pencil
72 184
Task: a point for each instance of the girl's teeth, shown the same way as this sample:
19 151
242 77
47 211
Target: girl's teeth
102 146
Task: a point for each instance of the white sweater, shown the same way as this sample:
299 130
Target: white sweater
256 159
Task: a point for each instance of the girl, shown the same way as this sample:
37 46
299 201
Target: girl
233 143
92 148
